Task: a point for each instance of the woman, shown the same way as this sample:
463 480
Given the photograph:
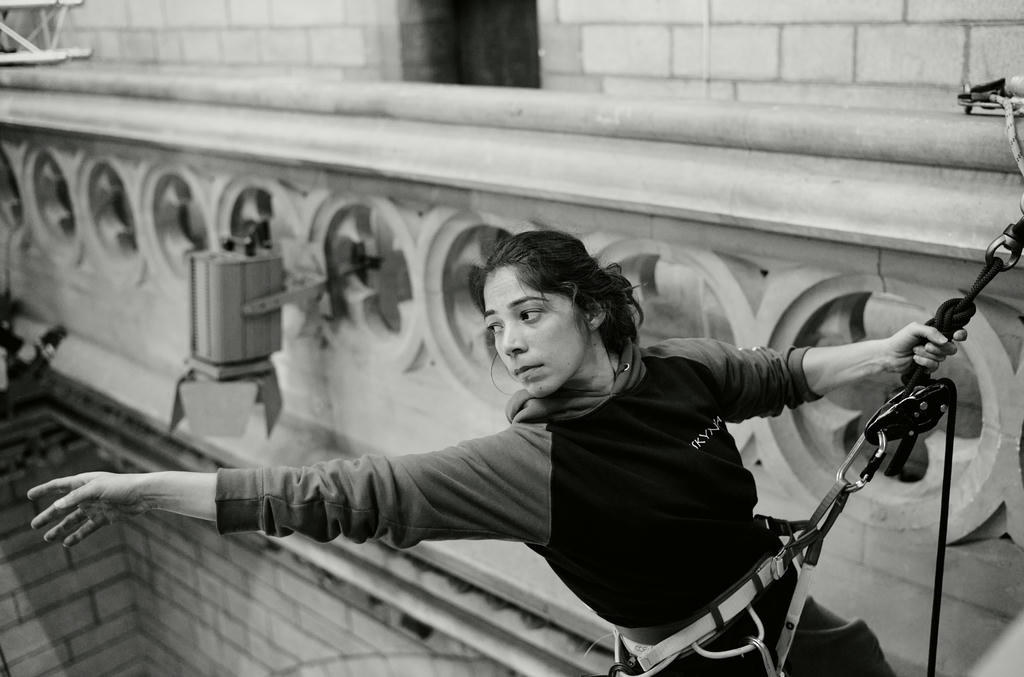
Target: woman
617 466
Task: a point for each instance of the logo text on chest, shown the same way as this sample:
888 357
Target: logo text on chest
703 438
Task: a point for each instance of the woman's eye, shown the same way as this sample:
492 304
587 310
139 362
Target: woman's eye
492 328
529 315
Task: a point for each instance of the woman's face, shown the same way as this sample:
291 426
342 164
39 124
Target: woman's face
541 338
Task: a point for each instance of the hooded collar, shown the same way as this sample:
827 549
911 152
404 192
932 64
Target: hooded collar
563 405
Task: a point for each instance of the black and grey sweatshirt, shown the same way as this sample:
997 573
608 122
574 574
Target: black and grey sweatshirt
636 498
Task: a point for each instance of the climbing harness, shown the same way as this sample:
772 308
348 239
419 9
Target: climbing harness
916 408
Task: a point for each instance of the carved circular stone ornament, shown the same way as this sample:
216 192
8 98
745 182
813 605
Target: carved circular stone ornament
174 219
373 277
454 241
686 292
107 190
811 441
49 209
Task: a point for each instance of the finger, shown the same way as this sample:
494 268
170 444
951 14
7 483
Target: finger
66 526
89 527
58 486
960 335
61 507
940 352
926 362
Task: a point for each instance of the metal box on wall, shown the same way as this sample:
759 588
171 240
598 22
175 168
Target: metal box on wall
222 283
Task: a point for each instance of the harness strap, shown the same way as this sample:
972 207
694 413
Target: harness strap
722 611
805 538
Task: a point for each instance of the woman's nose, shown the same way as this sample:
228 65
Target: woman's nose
512 342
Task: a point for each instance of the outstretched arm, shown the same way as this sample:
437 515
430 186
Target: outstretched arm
92 500
829 367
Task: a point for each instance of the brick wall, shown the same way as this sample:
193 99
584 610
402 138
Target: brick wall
889 53
63 612
325 38
165 595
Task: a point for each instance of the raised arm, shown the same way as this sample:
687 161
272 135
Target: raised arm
829 367
92 500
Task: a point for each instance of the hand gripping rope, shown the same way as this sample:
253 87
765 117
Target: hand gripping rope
917 408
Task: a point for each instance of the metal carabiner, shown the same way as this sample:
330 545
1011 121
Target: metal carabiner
872 465
1012 238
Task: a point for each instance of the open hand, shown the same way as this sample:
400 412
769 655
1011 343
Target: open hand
922 345
86 503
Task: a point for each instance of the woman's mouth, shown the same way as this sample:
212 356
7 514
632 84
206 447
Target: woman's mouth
522 371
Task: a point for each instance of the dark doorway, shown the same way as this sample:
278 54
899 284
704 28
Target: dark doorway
497 42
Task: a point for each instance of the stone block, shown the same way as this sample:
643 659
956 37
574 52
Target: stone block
103 569
139 46
547 11
100 14
44 631
688 53
112 631
236 662
273 600
197 14
145 14
232 629
114 598
249 12
201 46
173 563
254 613
285 633
106 541
365 13
964 10
39 662
32 567
560 49
8 611
168 47
741 52
307 13
337 47
302 591
637 11
996 52
805 11
913 55
823 53
268 654
241 46
289 46
626 50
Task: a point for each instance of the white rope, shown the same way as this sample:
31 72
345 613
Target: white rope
1012 107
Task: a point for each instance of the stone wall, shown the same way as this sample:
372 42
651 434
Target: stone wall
884 53
63 612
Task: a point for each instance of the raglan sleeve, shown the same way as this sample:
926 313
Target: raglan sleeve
751 382
496 487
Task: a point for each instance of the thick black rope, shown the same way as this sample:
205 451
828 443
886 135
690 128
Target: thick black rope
953 315
940 554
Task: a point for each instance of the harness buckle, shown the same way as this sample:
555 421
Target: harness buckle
777 566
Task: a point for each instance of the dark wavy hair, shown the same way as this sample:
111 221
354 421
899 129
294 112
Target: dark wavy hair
555 262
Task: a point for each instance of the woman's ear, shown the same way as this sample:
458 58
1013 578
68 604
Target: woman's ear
596 319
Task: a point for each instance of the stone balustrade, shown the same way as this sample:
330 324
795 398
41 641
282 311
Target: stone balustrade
759 225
